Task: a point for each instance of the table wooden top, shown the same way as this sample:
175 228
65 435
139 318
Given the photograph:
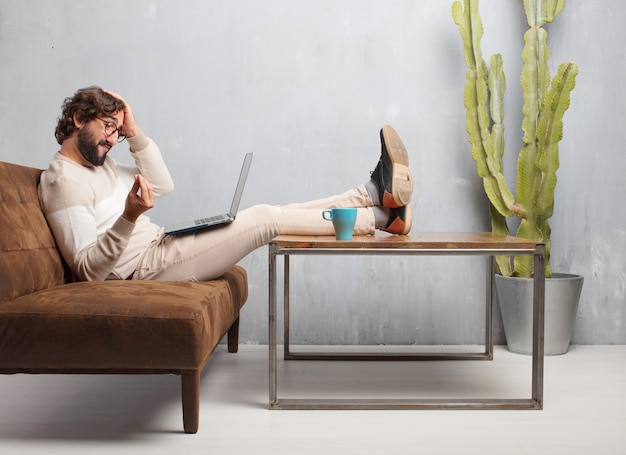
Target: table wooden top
416 240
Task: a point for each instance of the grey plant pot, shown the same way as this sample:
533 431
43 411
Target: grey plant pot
515 297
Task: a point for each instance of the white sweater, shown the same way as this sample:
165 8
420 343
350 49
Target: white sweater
83 206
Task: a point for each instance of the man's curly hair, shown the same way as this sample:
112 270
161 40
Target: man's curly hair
87 104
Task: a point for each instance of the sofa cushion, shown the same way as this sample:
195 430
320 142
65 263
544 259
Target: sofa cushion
120 325
29 260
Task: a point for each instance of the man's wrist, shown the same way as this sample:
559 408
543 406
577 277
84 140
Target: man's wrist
138 141
128 219
131 133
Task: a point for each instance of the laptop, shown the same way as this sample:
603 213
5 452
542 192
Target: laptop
217 220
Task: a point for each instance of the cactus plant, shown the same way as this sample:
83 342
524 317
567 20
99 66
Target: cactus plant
545 103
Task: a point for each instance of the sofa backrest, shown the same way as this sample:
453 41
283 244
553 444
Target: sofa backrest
29 259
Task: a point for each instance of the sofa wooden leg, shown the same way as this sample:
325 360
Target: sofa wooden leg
190 385
233 337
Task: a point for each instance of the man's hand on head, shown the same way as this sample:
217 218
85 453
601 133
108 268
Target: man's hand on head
129 126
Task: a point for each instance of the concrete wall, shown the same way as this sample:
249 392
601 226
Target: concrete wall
307 85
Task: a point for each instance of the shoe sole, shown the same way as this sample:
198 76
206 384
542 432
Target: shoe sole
402 182
399 226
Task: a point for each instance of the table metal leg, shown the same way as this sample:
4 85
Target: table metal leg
286 338
538 325
273 380
490 292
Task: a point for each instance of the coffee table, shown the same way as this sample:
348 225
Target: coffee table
423 244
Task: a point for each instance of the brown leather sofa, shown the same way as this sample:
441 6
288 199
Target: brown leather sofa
49 324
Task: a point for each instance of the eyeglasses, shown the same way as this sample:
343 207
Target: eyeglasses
110 128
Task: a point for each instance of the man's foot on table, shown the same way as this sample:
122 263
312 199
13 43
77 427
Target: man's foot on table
400 221
392 175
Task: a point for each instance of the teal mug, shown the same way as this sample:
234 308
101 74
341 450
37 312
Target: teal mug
343 221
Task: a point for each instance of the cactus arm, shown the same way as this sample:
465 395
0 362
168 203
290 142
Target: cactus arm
474 97
534 80
540 12
497 87
501 198
471 32
487 141
553 8
550 133
475 93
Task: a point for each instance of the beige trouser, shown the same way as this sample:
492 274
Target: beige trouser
207 254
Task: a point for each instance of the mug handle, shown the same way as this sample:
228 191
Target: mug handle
327 215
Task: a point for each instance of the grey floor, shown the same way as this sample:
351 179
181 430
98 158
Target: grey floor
584 408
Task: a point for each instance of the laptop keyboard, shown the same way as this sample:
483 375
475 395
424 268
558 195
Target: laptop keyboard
209 219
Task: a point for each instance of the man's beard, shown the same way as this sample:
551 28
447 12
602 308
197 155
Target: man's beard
89 149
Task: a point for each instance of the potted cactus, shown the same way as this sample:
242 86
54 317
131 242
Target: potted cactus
544 105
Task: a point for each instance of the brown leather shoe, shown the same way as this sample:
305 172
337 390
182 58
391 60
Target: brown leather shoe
400 221
392 175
